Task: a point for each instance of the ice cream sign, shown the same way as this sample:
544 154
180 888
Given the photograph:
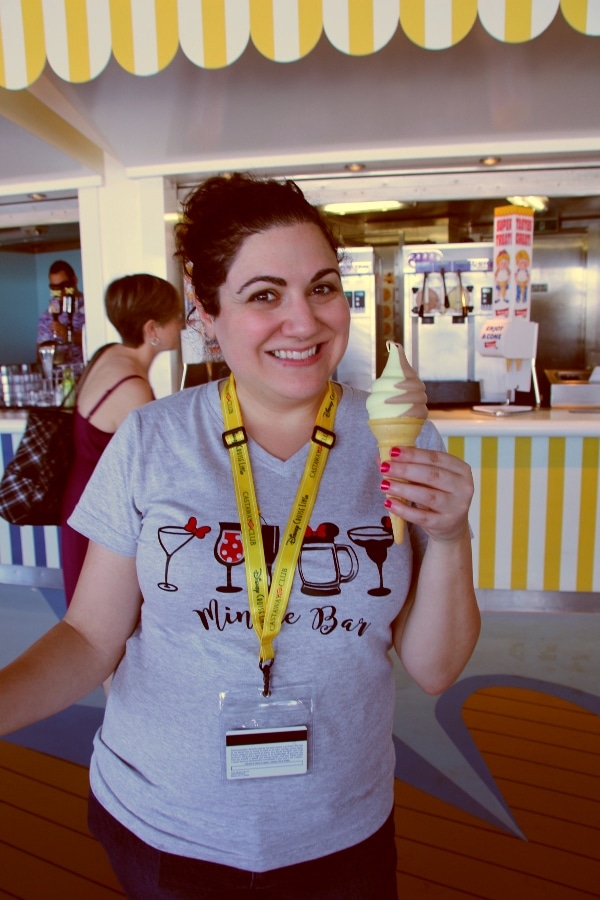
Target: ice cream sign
491 337
513 242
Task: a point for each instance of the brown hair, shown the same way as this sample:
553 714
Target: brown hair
135 299
58 266
223 211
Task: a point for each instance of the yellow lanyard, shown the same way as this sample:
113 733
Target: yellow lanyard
268 605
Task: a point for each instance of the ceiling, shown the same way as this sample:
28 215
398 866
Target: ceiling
40 238
418 120
457 220
461 220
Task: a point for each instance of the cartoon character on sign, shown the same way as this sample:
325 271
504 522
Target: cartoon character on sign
502 275
522 275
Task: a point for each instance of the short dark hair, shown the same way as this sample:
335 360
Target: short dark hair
59 265
223 211
133 300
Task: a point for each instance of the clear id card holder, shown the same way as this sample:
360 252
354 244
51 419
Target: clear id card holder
266 737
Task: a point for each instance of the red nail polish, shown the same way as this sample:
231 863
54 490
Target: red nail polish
394 452
384 467
387 503
385 485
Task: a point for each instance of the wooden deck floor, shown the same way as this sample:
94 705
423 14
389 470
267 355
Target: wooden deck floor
46 850
542 752
544 755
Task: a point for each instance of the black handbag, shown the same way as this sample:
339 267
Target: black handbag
33 483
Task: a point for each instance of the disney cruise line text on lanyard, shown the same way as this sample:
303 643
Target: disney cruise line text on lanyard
268 603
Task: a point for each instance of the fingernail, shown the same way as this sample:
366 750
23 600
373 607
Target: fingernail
387 503
384 467
385 485
394 452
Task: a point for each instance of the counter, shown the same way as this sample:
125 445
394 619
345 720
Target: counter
535 514
536 510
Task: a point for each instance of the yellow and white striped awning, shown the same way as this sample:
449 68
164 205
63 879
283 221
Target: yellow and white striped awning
77 37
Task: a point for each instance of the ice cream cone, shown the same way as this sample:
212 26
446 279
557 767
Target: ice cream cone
395 432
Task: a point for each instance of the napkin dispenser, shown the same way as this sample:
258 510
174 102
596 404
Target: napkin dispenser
573 388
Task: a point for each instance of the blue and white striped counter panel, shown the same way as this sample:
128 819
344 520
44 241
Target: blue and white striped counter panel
25 545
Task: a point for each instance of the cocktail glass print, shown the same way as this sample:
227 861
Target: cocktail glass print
229 551
172 538
376 540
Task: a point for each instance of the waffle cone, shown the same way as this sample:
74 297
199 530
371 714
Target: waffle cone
395 432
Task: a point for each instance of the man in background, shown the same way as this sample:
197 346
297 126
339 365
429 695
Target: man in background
64 319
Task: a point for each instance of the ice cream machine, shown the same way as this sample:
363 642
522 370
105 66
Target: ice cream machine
449 301
360 277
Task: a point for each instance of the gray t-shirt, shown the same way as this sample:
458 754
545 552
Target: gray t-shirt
158 763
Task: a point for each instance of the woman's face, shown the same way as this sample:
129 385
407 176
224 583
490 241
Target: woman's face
284 319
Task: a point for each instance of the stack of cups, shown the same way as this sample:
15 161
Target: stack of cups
20 385
6 384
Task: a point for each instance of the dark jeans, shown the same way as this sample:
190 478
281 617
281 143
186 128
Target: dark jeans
363 872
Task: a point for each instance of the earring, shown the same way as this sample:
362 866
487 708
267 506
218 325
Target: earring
155 341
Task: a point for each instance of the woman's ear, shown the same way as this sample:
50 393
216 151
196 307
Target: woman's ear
150 332
207 320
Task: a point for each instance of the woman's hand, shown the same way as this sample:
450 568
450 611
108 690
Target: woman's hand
437 628
429 488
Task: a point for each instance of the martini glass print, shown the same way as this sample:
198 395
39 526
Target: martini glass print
376 540
229 551
172 538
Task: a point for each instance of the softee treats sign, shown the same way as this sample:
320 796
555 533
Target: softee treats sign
513 244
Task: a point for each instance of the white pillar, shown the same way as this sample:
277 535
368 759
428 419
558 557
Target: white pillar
123 231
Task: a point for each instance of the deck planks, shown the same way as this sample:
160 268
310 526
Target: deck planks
45 846
542 752
544 755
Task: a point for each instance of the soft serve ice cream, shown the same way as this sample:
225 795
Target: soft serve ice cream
398 391
397 407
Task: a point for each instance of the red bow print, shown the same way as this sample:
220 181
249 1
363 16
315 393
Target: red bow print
192 527
320 531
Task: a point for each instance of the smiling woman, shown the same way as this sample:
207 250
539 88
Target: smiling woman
264 266
294 319
223 583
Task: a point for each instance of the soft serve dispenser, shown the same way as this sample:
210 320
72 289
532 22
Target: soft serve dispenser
448 297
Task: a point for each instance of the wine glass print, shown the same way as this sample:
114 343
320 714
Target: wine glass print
172 538
376 540
229 551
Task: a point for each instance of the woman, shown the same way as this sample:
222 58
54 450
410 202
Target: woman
147 313
235 760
